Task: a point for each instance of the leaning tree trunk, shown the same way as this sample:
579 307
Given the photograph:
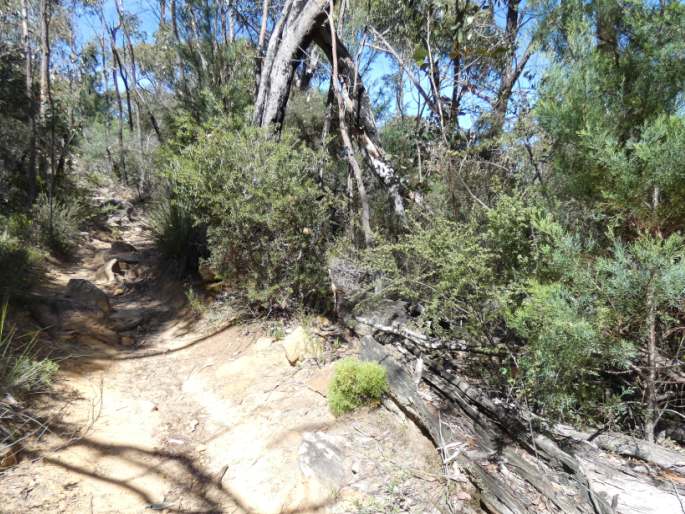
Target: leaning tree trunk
347 142
301 23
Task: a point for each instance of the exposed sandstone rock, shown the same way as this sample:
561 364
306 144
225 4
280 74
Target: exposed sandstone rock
66 317
263 343
321 457
295 345
88 294
299 345
108 271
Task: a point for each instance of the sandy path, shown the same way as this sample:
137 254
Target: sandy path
186 422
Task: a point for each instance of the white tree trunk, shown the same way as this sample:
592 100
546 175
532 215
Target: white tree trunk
301 23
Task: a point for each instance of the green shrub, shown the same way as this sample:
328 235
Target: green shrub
446 269
58 227
591 321
561 355
17 263
511 234
356 383
268 222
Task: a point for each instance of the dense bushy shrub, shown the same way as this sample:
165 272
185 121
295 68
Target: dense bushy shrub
444 269
268 222
560 360
356 383
563 321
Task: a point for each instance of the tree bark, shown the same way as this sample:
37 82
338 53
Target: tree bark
138 98
28 70
513 69
177 38
44 58
347 141
122 73
261 41
310 62
362 120
46 101
301 22
120 110
651 402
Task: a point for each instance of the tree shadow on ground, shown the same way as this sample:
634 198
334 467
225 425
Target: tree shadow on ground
201 490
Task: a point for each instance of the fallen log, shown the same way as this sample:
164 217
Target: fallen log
625 445
621 444
563 470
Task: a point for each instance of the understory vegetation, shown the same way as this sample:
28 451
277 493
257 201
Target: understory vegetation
23 371
355 384
514 172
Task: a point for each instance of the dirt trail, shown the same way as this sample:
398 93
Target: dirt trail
179 419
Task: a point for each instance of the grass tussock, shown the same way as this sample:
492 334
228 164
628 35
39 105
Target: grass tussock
22 372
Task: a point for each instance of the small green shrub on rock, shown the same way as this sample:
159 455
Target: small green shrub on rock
356 383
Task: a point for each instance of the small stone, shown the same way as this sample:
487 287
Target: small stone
641 469
8 456
295 344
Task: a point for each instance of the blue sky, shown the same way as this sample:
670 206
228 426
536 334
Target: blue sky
147 12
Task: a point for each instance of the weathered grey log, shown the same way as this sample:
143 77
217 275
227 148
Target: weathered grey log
628 446
598 483
496 495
